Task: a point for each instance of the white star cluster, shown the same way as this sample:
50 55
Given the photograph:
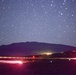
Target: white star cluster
50 21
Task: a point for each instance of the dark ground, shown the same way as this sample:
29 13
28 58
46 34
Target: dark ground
45 67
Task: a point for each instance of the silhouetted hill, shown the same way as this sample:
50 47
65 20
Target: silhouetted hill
29 48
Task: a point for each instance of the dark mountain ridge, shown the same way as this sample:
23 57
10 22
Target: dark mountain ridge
30 48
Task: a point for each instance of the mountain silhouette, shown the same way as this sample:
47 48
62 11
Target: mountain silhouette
30 48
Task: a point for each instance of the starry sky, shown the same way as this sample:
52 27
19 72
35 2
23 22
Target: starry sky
50 21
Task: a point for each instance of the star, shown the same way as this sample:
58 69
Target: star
50 21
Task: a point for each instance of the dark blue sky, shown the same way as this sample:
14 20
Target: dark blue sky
50 21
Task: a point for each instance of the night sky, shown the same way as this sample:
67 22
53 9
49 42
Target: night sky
50 21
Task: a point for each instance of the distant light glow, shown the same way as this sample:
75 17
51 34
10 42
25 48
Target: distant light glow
8 57
46 53
69 59
20 62
33 57
11 61
74 58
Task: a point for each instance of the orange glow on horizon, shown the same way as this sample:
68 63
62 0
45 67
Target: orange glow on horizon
46 53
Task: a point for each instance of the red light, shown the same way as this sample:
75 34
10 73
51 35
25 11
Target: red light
33 57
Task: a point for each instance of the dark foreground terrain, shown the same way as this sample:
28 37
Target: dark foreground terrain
44 67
